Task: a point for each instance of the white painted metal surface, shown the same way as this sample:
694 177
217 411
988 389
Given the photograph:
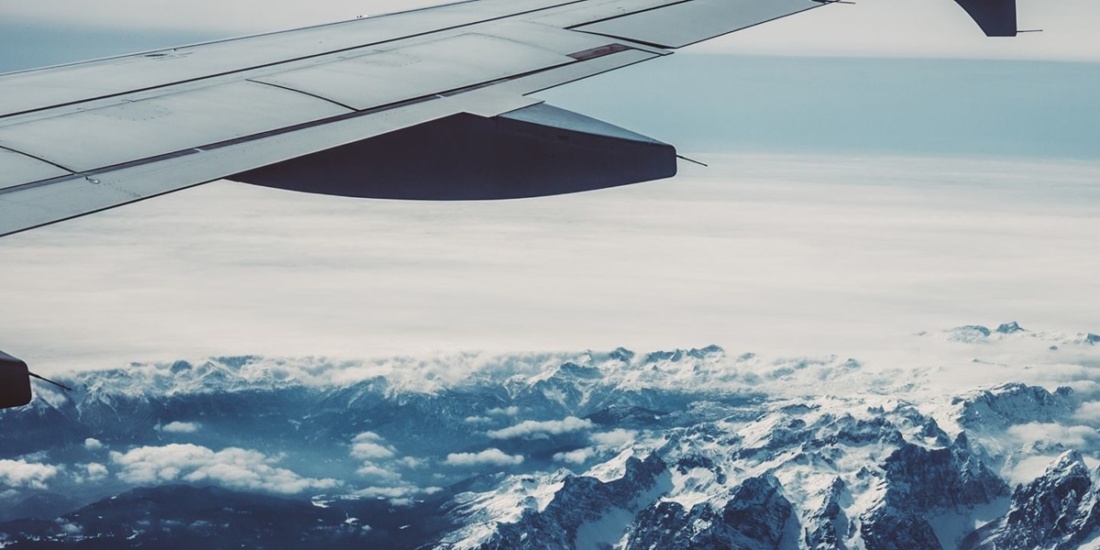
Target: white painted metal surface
577 71
38 205
138 126
36 89
435 67
142 129
555 39
33 206
16 169
693 21
590 11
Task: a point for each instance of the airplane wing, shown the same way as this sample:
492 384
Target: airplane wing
431 104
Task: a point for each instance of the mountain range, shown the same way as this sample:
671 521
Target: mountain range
688 448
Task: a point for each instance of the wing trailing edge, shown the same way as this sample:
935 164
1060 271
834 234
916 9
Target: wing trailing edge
535 151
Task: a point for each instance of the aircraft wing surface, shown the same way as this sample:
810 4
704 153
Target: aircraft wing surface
431 104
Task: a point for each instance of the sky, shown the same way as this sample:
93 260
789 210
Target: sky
934 179
913 28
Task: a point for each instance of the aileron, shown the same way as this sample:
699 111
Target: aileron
33 90
126 132
685 23
19 169
389 77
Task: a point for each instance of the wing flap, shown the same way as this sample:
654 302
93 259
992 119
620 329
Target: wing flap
130 131
19 168
35 203
44 88
679 25
45 202
384 78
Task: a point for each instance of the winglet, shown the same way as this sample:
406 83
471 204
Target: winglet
995 17
15 382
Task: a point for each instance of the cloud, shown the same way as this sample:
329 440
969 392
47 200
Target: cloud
179 428
22 474
1072 436
578 456
96 471
92 444
614 438
529 428
488 457
401 495
232 467
370 446
601 440
1088 412
91 472
477 420
378 473
412 463
505 411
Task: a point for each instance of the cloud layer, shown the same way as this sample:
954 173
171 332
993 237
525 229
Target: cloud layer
180 428
788 255
231 467
534 428
488 457
22 474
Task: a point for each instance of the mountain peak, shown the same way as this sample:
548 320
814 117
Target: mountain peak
1010 328
1069 463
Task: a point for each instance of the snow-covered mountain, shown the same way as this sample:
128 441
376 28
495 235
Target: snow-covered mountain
692 448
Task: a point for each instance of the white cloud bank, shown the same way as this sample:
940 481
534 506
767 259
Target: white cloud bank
95 471
1089 411
786 255
488 457
1077 437
370 446
614 438
179 428
21 474
577 456
533 428
601 441
232 467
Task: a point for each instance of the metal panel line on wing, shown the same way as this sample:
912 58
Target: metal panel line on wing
134 127
404 73
35 90
686 23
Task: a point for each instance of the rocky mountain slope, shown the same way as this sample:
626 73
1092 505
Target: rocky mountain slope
694 448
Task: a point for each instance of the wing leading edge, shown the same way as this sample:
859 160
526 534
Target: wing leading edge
350 108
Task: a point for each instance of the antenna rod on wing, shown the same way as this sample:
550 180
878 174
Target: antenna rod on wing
58 384
682 157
